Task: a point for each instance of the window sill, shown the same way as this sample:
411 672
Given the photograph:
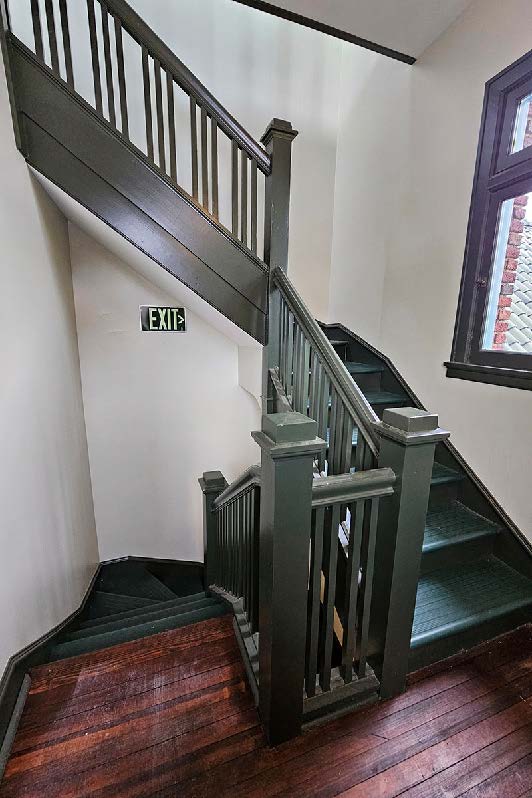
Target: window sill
511 378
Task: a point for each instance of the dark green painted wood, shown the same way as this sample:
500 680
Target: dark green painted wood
289 446
408 441
212 484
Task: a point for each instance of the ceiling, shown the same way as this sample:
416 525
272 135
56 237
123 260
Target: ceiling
408 26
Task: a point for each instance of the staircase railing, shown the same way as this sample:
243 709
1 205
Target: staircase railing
121 44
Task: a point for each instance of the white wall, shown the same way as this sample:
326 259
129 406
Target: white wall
160 410
47 534
421 160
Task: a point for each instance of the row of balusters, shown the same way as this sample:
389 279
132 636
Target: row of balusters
311 391
340 610
160 122
237 550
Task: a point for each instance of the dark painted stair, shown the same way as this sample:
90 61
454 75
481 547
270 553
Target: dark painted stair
476 575
131 600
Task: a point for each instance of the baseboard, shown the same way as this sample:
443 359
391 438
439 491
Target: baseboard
154 560
22 661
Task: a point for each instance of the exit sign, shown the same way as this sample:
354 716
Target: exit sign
157 319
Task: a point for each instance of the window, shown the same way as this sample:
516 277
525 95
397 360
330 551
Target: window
493 332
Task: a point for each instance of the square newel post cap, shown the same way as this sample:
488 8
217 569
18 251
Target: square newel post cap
411 426
212 482
281 128
288 434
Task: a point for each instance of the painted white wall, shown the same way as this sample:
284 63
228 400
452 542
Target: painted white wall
47 535
421 161
160 410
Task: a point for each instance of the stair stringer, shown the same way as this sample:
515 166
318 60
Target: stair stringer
511 545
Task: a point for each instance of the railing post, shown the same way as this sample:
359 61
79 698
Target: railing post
212 483
289 444
277 139
408 440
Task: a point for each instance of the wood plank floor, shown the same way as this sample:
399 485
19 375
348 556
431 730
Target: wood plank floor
172 715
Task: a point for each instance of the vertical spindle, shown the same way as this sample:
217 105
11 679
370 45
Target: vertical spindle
95 58
52 37
108 65
171 126
204 162
244 198
234 188
160 117
65 32
254 172
37 29
121 78
214 167
194 147
148 115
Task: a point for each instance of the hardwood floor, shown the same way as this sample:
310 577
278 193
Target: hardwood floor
171 715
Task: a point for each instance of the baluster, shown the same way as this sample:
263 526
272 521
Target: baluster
194 146
295 367
95 57
65 32
171 126
240 530
234 188
347 446
160 117
366 585
254 174
244 544
313 385
305 378
214 167
360 455
204 162
230 583
290 359
108 65
314 600
333 430
351 589
37 30
329 568
338 438
121 78
147 104
255 515
244 198
323 418
52 38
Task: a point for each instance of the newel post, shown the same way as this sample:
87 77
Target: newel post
277 140
289 445
212 483
408 440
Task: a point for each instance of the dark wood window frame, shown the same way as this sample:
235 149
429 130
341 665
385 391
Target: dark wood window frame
499 175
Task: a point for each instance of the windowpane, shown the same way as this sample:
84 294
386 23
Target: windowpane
522 135
508 318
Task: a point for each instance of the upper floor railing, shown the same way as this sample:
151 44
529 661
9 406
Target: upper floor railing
154 102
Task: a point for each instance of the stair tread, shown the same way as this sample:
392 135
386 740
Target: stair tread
158 612
455 598
442 475
354 367
124 635
385 397
453 523
157 605
337 341
103 603
133 580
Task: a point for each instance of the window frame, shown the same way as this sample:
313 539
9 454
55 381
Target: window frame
499 175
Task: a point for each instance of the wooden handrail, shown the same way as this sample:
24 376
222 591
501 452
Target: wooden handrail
350 394
346 488
250 478
145 36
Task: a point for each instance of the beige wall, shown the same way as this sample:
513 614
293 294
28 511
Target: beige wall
421 162
47 531
160 409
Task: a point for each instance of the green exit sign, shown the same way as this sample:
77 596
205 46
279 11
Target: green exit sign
157 319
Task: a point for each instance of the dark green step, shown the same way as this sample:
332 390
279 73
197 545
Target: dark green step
103 603
453 524
165 609
443 475
132 579
451 601
337 342
364 368
386 398
126 635
94 622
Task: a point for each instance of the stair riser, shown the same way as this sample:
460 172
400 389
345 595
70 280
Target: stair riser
460 552
368 382
441 494
422 656
106 619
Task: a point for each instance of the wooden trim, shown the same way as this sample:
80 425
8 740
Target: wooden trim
494 375
329 30
345 488
33 654
250 478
